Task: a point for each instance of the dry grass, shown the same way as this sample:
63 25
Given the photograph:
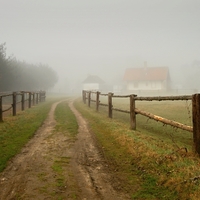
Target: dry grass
156 160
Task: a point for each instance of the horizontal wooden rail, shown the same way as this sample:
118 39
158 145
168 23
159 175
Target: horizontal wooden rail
103 94
165 121
31 96
120 110
121 96
7 109
195 98
164 98
5 95
103 104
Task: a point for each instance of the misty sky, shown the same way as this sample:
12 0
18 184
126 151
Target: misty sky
102 37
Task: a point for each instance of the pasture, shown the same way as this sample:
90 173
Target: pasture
179 111
155 157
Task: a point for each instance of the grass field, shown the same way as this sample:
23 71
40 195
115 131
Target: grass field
180 111
155 161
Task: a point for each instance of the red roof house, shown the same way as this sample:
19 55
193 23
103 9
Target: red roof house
146 78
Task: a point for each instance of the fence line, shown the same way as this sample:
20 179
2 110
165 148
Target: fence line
195 129
28 98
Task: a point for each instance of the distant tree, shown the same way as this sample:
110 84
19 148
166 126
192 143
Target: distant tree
17 75
33 77
5 73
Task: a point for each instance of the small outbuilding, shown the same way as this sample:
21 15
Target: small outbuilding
93 83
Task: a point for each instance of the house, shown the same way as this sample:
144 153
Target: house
146 79
93 83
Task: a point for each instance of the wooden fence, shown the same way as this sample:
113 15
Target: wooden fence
11 101
195 129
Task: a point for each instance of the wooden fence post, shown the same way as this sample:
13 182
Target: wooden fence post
33 98
44 95
23 102
110 105
14 103
37 97
196 122
132 112
29 100
84 96
97 101
1 110
89 98
40 96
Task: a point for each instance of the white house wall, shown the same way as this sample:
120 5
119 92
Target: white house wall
91 86
146 85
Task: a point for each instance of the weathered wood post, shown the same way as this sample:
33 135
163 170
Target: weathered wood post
44 95
132 112
37 98
89 98
33 98
23 101
196 122
97 101
29 100
84 96
1 110
14 103
40 96
110 105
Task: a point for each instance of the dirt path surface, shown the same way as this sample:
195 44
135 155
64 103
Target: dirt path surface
53 166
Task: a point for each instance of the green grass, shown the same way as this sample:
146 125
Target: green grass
16 131
151 162
179 111
66 124
58 169
66 120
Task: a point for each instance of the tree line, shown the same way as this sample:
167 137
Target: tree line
18 75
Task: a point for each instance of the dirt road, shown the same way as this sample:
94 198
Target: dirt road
53 166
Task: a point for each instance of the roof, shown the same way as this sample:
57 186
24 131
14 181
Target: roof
93 79
146 74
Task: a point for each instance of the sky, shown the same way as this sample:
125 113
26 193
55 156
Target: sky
101 37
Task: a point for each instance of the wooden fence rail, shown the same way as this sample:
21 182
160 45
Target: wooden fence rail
195 129
26 98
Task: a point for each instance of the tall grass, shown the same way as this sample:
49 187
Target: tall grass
154 161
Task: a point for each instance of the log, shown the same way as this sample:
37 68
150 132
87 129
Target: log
164 98
165 121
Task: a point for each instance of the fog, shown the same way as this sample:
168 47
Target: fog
77 38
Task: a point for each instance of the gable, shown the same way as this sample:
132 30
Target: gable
93 79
